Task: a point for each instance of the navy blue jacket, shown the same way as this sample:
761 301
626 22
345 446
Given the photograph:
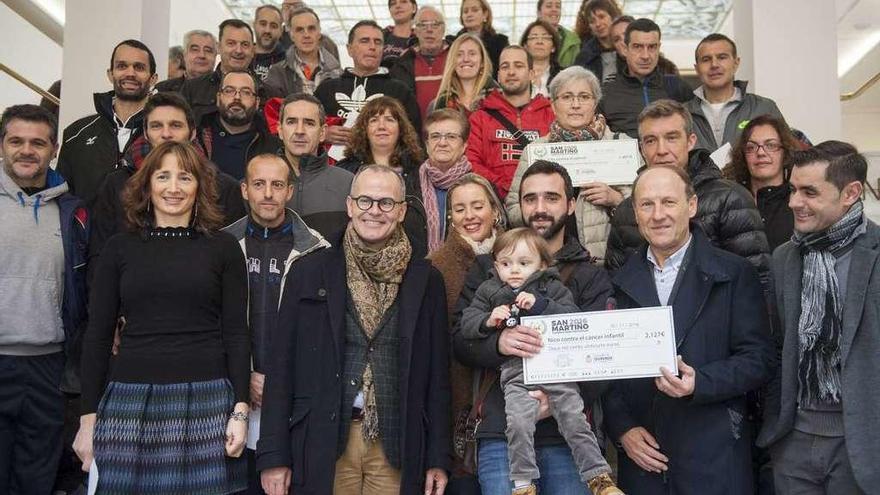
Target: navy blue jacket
74 238
722 331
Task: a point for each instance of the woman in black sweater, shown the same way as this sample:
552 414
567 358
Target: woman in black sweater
170 415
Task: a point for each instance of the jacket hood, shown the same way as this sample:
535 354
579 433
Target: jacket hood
572 251
382 73
496 100
305 239
56 186
701 168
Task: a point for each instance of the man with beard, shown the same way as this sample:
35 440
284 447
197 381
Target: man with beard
267 51
236 53
93 145
236 132
508 120
547 201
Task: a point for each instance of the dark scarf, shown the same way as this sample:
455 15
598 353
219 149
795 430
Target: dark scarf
819 326
594 130
374 277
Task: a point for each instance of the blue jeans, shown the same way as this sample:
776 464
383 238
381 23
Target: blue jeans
559 474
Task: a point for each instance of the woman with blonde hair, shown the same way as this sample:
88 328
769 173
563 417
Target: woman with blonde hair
467 76
170 415
383 135
474 219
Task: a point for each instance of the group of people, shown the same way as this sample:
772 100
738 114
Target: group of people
280 276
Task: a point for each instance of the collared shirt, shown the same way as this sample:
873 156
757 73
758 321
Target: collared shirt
665 276
123 131
311 76
717 113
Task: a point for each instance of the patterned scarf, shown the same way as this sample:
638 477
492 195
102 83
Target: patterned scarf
819 326
430 178
374 277
594 130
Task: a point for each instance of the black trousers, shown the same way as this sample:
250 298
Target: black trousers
31 422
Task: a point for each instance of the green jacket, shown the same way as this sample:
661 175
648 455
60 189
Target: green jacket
571 46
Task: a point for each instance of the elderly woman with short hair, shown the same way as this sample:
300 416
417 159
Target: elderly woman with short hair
575 93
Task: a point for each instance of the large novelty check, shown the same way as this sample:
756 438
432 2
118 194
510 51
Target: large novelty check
602 345
612 161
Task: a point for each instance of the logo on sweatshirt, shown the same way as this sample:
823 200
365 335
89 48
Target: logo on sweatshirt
356 101
90 141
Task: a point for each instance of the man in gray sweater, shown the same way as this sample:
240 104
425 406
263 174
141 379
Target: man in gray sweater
823 407
42 297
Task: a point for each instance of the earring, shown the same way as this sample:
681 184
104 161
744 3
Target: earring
195 213
497 221
149 206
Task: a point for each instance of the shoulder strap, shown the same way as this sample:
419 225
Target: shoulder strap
487 379
517 134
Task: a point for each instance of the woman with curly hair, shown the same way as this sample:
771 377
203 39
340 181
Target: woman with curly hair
594 22
542 42
760 163
170 414
467 76
383 135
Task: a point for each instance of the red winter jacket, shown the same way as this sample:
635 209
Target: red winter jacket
491 149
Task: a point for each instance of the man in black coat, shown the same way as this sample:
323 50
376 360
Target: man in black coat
689 433
357 393
639 80
547 201
726 212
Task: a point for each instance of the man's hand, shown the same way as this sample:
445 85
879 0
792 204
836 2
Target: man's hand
82 444
337 134
498 315
674 386
257 381
544 406
435 481
601 194
276 481
525 300
519 341
643 449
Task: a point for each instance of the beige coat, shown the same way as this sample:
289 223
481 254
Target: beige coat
593 221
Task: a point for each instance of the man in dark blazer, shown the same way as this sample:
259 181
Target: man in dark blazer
688 433
823 406
357 397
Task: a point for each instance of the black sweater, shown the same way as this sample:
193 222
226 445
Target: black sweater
184 302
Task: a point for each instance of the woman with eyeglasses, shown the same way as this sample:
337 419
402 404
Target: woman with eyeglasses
168 413
383 135
467 76
759 161
446 131
476 18
575 93
542 42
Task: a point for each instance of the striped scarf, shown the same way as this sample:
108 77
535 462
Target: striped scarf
820 322
432 178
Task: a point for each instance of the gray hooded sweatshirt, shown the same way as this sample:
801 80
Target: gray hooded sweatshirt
31 270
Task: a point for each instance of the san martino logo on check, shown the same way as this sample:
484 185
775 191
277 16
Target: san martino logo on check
571 324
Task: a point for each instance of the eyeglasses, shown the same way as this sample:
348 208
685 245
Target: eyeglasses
539 37
449 136
752 147
430 24
385 204
230 92
569 98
